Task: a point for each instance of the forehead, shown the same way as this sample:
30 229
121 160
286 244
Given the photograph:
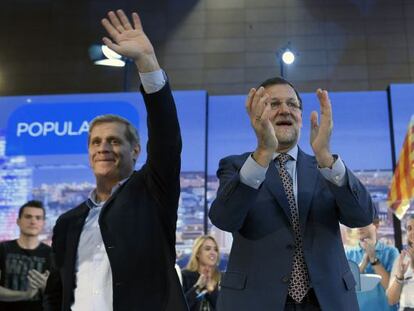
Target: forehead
36 211
281 91
410 222
209 242
106 129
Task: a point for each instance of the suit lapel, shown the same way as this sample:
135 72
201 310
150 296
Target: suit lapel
275 186
307 174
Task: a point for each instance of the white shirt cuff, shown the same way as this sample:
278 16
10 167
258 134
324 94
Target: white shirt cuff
336 174
153 81
252 174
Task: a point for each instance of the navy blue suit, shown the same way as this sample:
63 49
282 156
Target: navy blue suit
260 263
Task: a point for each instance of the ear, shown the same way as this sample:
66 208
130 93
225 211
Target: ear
136 150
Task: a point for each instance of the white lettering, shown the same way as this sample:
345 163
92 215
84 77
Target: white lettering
48 128
33 126
22 127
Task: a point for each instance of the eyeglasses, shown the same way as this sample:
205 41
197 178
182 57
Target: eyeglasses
292 105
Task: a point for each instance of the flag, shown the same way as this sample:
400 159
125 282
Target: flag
402 184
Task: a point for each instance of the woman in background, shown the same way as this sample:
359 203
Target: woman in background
201 276
401 288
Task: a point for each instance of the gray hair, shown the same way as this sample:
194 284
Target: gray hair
131 132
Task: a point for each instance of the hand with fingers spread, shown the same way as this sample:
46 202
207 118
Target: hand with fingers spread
129 40
402 265
321 132
37 280
261 114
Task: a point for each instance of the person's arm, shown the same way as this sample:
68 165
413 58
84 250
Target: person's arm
363 264
164 137
371 257
354 202
239 184
397 279
16 295
191 288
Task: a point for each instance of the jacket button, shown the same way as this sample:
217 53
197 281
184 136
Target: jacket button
289 246
118 284
285 279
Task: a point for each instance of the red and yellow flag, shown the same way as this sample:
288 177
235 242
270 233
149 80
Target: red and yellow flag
401 192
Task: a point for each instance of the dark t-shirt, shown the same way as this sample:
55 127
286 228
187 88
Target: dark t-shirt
15 263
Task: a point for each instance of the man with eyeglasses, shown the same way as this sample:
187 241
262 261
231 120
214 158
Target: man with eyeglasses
283 208
25 262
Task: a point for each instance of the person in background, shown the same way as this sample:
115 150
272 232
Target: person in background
201 277
401 288
25 262
374 257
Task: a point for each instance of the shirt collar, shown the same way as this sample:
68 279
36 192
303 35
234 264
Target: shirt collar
293 152
92 202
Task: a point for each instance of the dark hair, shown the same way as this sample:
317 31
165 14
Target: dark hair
32 203
131 132
280 80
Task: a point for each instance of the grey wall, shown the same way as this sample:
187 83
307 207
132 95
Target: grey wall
223 46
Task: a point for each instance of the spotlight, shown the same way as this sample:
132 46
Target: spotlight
288 57
285 56
104 56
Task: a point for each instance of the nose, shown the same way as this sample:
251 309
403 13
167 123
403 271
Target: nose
104 147
283 108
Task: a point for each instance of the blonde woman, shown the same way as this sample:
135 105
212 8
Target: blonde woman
401 287
202 276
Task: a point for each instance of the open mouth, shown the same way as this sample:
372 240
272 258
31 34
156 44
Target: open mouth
284 123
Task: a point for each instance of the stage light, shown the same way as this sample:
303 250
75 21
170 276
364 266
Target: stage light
104 56
288 57
285 57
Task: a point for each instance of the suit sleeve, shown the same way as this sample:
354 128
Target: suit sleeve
164 154
353 201
234 199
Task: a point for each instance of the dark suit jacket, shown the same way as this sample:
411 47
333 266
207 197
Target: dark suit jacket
260 262
137 224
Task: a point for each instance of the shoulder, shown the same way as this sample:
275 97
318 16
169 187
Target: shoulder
43 246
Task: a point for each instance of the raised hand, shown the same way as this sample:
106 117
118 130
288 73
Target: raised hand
321 132
201 282
402 264
369 246
130 40
261 114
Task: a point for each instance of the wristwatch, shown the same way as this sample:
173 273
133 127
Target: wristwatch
375 262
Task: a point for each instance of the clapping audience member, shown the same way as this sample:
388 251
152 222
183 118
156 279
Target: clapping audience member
202 276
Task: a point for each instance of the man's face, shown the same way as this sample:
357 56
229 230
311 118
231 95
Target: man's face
368 232
31 221
111 156
287 119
